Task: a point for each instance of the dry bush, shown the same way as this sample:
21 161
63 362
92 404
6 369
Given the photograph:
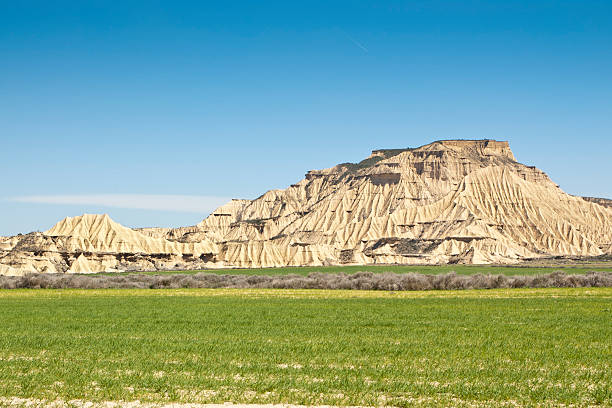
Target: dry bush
316 280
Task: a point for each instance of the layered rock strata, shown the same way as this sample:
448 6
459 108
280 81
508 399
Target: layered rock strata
452 201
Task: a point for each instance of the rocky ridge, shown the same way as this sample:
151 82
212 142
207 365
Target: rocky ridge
451 201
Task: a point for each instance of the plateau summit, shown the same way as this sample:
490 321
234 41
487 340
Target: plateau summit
451 201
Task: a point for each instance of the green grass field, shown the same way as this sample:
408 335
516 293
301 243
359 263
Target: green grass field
460 348
428 269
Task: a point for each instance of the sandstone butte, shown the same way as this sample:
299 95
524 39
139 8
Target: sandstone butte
451 201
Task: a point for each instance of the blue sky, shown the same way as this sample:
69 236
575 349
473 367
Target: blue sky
126 107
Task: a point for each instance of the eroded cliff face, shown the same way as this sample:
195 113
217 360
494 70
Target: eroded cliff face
95 243
601 201
447 202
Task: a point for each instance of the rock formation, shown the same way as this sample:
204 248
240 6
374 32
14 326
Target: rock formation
601 201
452 201
95 243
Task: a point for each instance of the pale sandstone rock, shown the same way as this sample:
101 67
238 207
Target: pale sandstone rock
446 202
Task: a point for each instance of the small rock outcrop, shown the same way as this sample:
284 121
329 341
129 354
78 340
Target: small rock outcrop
451 201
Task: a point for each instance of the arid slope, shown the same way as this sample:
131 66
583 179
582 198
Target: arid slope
451 201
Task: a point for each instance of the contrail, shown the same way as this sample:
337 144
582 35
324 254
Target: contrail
354 41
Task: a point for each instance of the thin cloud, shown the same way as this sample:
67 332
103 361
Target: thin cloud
178 203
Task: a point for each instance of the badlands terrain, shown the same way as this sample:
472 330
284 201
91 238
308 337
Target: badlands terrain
448 202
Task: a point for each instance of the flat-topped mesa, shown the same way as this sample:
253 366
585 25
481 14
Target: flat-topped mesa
458 157
486 147
450 201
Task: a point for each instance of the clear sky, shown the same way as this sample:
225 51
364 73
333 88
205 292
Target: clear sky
126 107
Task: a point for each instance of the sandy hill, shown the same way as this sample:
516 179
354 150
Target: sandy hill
95 243
466 201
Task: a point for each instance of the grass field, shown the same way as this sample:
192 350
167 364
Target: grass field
428 269
460 348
